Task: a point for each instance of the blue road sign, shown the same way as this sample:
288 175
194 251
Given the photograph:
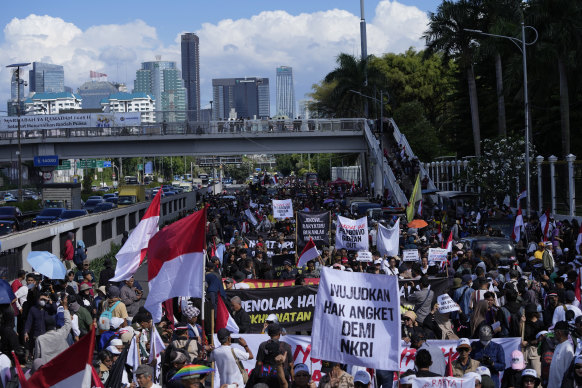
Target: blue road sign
106 163
46 161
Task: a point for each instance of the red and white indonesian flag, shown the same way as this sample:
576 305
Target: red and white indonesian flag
545 224
516 235
223 318
521 196
133 252
176 262
579 240
72 368
449 244
310 252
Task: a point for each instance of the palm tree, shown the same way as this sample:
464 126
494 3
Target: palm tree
446 34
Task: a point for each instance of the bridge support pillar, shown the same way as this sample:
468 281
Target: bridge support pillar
378 179
364 163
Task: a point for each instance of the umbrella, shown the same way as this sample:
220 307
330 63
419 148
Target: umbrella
192 370
6 293
47 264
417 224
326 201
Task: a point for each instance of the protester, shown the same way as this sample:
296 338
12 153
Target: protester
228 358
241 317
563 355
336 378
464 364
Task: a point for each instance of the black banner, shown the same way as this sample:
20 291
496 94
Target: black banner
314 225
272 244
293 306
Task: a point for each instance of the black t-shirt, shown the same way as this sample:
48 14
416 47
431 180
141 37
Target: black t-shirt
264 357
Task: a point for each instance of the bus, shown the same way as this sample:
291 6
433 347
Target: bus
310 178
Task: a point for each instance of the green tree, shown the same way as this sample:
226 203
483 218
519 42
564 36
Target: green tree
419 131
87 181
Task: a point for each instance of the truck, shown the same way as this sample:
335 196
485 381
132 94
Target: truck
130 195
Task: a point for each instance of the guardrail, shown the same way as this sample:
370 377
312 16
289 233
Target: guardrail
98 231
228 127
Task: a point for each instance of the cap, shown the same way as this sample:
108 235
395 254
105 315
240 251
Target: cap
223 334
273 329
464 343
485 333
181 326
378 262
543 332
272 318
116 342
191 312
115 322
113 292
84 287
471 375
103 290
517 362
483 370
410 314
467 278
144 369
113 350
301 368
362 376
460 253
530 373
553 294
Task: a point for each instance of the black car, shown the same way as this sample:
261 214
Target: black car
103 206
73 213
91 204
11 213
7 227
47 216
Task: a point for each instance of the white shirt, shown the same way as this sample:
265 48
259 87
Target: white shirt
560 313
5 365
561 360
228 371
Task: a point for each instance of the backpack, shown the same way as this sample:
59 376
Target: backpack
105 317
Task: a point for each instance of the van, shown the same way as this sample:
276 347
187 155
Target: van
359 208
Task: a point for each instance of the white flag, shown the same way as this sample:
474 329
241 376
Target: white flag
388 239
250 217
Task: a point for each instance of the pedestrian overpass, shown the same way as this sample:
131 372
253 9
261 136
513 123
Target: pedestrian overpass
216 138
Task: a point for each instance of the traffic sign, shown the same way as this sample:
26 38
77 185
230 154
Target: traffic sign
46 161
100 164
140 167
106 163
87 163
65 165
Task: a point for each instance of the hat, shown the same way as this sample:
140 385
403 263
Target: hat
85 286
301 368
485 333
181 326
472 375
74 307
457 282
459 246
272 318
531 308
115 322
273 329
517 362
483 370
530 373
103 290
467 278
113 350
113 292
464 343
191 312
144 369
553 294
223 334
116 342
543 332
378 262
127 335
363 377
410 314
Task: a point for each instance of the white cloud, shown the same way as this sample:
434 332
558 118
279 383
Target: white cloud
231 48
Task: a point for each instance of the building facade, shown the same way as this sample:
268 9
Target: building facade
163 81
46 78
191 73
131 102
93 92
249 97
285 92
52 103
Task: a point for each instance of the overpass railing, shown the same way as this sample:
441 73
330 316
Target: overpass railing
197 128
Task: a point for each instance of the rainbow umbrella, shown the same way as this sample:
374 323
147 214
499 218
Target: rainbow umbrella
191 370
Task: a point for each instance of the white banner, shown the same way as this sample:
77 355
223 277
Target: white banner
387 240
365 256
443 382
410 255
437 254
446 304
251 218
71 120
301 351
352 234
282 209
357 319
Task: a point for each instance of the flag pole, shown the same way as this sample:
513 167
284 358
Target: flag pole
212 341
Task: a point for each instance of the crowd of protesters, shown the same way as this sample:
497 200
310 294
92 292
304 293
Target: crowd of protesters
534 295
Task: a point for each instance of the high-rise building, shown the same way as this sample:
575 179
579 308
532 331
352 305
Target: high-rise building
12 104
46 78
248 96
163 81
191 73
93 92
285 92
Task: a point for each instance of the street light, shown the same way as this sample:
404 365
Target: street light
521 45
17 67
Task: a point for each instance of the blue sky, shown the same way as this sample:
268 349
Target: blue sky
238 38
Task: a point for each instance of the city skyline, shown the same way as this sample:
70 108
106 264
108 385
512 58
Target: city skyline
251 42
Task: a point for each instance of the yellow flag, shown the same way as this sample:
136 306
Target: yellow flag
414 197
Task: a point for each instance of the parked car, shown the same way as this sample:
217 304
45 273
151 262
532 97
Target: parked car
95 197
103 206
110 195
7 227
11 213
91 204
74 213
48 216
112 200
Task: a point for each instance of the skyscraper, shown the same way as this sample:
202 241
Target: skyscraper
191 73
163 80
248 96
12 104
46 78
285 92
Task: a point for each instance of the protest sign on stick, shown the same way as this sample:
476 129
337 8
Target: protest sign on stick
446 304
410 255
437 254
282 209
352 234
365 256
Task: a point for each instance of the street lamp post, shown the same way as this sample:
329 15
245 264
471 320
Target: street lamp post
521 45
379 103
17 67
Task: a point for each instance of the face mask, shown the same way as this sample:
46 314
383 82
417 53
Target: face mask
485 343
42 303
30 286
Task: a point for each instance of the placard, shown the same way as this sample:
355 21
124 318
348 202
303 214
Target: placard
456 382
365 256
357 319
446 304
410 255
352 234
282 209
312 225
437 254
